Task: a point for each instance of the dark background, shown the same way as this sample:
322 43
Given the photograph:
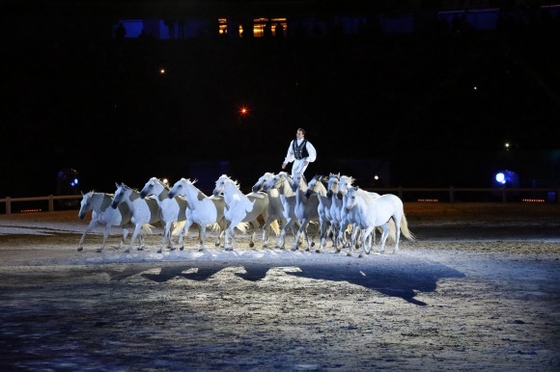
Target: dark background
400 105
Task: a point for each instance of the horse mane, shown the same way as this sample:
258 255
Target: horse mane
235 182
350 179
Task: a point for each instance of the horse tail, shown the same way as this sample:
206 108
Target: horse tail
275 227
405 231
214 227
147 228
243 226
177 227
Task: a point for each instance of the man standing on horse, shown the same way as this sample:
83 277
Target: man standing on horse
301 152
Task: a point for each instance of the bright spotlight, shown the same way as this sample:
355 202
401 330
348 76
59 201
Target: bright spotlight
506 178
500 178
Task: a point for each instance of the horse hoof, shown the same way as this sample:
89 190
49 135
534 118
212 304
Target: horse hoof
80 249
251 244
349 254
159 251
99 250
201 249
181 248
317 251
313 244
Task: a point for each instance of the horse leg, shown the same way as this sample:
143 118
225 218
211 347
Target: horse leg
397 235
281 239
123 238
91 225
137 228
232 236
202 229
299 237
366 240
184 232
228 237
164 236
265 234
105 235
384 236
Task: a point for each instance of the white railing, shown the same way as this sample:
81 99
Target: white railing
50 199
444 194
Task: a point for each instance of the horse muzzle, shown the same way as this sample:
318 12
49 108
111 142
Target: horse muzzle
114 205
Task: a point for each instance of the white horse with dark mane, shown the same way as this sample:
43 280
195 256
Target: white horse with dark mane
368 213
145 212
204 211
240 208
172 211
102 214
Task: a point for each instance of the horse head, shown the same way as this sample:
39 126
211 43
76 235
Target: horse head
313 185
220 185
273 182
119 194
148 188
332 185
261 181
177 188
349 199
344 184
85 204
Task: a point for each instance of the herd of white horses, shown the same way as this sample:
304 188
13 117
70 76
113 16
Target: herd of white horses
345 214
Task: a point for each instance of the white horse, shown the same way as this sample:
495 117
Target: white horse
172 211
306 209
317 187
346 182
240 208
145 211
342 228
202 210
369 213
102 214
274 215
282 183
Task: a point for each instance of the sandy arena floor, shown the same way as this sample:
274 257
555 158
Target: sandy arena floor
478 290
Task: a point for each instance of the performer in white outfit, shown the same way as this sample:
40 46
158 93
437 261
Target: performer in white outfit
301 152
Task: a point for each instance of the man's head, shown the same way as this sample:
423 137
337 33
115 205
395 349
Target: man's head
300 133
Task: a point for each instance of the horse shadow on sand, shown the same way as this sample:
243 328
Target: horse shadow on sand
402 278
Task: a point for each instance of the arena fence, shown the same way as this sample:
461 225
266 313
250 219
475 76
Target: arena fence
51 203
